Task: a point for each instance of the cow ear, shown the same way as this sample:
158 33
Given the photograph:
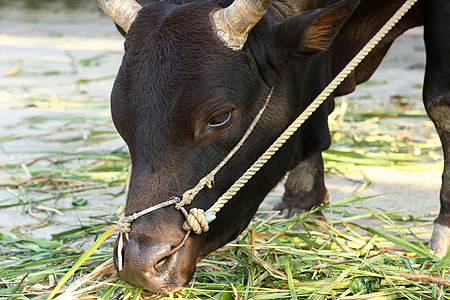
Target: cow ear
314 30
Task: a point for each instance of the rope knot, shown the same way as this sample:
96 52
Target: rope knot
198 221
189 195
124 223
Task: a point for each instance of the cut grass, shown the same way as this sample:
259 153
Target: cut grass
90 170
345 262
372 138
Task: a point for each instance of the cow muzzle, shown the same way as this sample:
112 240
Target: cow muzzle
159 266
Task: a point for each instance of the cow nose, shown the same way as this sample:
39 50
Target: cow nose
151 265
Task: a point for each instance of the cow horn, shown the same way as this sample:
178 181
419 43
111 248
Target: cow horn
233 23
123 12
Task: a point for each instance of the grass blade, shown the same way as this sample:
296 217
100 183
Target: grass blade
82 259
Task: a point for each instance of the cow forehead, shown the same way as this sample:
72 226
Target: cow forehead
188 26
173 53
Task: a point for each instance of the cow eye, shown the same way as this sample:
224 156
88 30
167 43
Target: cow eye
220 120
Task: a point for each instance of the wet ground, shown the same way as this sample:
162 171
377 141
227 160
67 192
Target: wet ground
59 66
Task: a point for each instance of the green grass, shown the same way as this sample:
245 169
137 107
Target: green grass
375 137
344 261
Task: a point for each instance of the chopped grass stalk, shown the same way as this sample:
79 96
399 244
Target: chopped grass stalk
81 260
362 271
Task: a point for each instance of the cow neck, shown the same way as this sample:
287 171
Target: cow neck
197 220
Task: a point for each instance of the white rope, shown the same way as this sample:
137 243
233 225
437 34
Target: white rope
134 216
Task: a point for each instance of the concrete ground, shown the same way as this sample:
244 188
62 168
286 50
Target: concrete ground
75 54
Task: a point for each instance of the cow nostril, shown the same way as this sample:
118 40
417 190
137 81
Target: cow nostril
163 260
155 265
162 263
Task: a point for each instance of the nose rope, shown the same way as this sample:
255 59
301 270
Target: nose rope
124 226
197 220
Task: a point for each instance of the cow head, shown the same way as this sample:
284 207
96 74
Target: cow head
192 78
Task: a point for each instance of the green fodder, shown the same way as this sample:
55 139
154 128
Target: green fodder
275 258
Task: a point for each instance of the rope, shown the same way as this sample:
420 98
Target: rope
124 225
310 109
124 221
208 180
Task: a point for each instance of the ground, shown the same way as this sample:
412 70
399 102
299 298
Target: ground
57 70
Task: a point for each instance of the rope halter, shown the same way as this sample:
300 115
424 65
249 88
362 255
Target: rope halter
197 220
124 225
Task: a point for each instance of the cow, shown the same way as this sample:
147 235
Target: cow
194 75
